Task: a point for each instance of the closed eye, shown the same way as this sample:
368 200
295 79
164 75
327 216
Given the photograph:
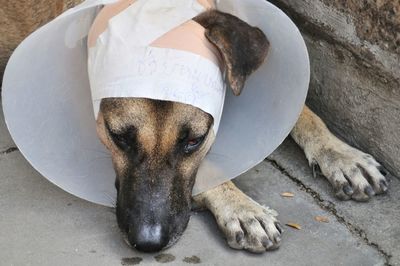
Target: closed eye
124 139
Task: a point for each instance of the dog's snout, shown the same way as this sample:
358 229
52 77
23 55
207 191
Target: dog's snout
148 238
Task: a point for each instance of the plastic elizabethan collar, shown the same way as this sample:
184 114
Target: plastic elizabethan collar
48 108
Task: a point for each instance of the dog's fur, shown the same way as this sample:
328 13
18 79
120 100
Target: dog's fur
157 147
20 18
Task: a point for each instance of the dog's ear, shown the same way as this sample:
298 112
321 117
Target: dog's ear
243 47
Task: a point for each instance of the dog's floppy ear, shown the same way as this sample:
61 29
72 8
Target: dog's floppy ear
243 47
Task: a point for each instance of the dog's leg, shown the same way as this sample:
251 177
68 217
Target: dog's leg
245 223
352 173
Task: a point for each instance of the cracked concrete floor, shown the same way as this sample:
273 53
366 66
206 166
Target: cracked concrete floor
43 225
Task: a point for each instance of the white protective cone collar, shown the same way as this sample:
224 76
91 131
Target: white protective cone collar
48 107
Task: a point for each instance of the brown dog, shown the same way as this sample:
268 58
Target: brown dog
157 147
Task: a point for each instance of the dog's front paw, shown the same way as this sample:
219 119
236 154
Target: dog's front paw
245 223
248 225
353 173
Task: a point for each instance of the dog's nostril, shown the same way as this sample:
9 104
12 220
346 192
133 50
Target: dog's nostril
148 238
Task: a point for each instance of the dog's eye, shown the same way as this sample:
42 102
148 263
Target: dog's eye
120 141
124 139
192 144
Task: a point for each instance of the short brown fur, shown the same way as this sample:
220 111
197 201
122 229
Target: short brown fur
21 17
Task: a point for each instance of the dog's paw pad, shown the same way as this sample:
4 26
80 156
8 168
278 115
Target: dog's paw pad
251 227
352 173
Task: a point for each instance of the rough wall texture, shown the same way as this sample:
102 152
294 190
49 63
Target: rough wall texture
377 21
354 48
18 18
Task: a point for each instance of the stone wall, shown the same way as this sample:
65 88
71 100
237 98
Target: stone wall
354 49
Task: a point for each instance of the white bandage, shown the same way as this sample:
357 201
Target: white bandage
122 63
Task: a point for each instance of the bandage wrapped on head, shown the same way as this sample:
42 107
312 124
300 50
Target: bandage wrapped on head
152 49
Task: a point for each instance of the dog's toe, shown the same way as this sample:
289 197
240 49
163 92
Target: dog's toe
234 234
273 228
253 228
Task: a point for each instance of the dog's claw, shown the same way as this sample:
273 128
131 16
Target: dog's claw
382 170
383 185
369 191
315 169
279 227
267 243
348 190
239 237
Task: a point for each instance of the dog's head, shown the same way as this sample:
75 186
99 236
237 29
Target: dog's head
157 146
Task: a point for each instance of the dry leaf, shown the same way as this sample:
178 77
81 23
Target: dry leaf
322 219
287 195
294 225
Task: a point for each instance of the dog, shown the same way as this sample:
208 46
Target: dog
157 147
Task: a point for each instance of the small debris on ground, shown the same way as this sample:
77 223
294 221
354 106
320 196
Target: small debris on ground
294 225
322 219
287 194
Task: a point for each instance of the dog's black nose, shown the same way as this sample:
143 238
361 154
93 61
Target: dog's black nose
148 238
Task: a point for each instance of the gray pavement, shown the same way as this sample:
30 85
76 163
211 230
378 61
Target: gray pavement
5 138
377 221
43 225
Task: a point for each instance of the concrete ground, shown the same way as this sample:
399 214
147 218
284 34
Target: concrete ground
43 225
